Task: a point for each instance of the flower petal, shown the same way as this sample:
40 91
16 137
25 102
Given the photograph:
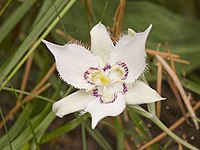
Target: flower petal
100 110
140 93
101 44
131 50
72 61
74 102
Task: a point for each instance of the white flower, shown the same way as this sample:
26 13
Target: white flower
107 76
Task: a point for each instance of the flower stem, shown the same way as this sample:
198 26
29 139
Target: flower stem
155 120
171 134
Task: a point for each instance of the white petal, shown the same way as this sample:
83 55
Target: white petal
101 44
140 93
72 61
74 102
100 110
131 50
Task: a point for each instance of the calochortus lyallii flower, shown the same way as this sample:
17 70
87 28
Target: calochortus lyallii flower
107 75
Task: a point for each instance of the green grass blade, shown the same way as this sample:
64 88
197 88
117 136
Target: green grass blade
8 136
119 134
42 128
191 85
61 130
49 20
15 18
45 6
26 93
4 7
84 143
16 129
27 118
137 121
98 137
25 135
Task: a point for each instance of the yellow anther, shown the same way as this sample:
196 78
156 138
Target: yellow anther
119 72
104 80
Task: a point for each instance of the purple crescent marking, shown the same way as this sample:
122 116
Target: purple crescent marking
107 66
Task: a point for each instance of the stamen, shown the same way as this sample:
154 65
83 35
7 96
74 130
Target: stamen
124 68
105 78
88 75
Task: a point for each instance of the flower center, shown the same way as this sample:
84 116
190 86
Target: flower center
104 80
108 81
